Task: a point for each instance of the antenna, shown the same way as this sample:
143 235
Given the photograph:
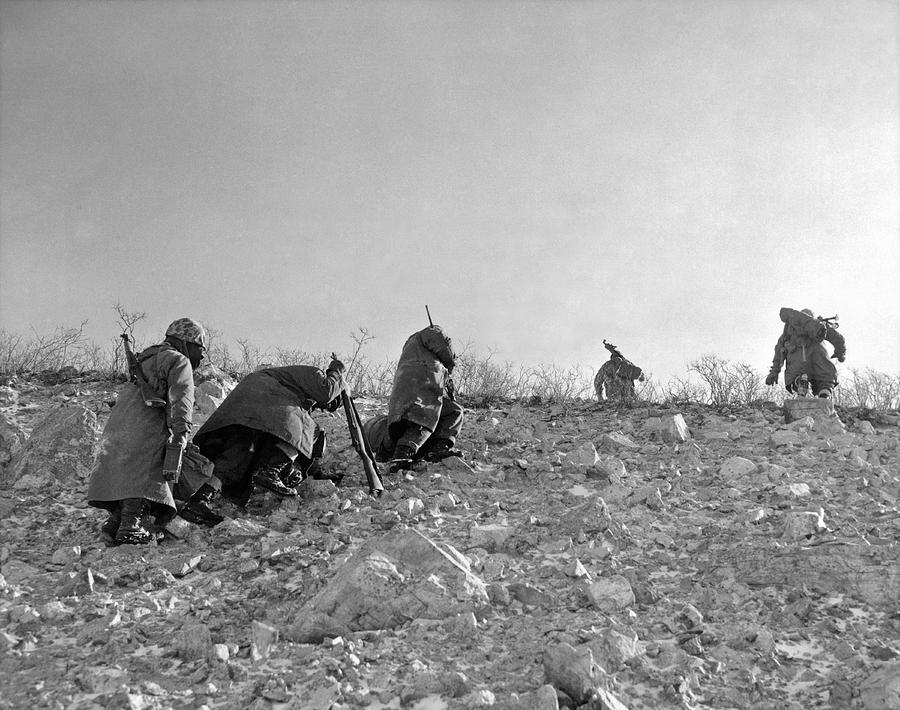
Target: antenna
428 313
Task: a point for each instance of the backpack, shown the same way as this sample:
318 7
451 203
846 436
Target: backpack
801 328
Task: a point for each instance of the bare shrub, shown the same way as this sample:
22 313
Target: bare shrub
680 390
485 381
648 390
869 389
551 383
64 347
727 383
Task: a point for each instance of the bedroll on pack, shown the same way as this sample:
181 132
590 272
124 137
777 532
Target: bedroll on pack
804 325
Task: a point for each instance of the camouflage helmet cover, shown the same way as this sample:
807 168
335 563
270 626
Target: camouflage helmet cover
189 331
808 311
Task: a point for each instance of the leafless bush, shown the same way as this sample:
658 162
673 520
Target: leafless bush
484 381
282 357
727 383
648 390
680 390
551 383
869 389
65 346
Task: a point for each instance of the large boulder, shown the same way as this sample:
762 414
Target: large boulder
61 449
668 429
400 576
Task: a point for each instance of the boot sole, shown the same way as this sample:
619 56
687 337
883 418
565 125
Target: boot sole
284 491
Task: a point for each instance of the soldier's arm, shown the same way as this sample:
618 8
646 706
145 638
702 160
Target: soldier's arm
778 359
179 375
837 340
439 344
322 386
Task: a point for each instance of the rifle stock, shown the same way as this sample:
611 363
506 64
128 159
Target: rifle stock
361 444
136 375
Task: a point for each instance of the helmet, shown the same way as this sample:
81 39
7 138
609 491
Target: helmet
189 330
808 312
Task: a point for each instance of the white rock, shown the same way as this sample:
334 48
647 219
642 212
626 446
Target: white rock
669 428
584 455
610 593
736 468
802 525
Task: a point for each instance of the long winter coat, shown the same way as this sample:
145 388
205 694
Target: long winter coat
277 400
425 362
801 351
134 439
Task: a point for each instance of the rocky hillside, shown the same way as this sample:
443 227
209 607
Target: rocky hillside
585 556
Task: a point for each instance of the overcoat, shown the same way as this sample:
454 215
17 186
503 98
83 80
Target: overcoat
132 446
425 362
276 400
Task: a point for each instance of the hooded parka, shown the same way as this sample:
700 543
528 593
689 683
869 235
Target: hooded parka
617 376
417 395
132 446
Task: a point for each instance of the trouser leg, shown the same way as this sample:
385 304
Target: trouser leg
450 422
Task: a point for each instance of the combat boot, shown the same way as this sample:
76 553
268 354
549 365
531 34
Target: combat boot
268 476
440 450
131 530
403 458
197 509
109 528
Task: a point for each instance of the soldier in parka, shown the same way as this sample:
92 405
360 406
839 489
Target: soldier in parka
263 435
128 478
422 423
616 376
800 350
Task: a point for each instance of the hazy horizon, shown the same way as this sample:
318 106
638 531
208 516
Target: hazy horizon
544 175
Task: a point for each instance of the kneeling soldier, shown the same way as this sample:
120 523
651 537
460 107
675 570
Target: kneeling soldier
263 435
422 423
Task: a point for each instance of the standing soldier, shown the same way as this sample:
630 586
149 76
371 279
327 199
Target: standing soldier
128 479
800 350
263 435
617 376
422 423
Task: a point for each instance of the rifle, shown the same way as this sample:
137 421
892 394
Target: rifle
360 441
612 349
136 375
831 321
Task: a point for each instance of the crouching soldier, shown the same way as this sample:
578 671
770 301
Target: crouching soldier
263 436
422 423
616 376
800 350
153 410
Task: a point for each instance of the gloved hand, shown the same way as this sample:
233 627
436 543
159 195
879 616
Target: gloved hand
179 439
839 356
336 366
772 378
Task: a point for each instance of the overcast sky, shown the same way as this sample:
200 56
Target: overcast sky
543 175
